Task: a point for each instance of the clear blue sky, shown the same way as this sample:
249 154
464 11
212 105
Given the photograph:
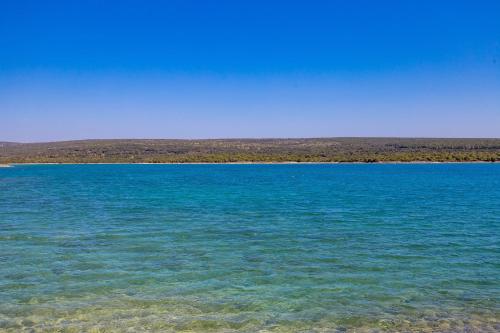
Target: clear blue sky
212 69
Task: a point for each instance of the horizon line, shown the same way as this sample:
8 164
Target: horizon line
254 138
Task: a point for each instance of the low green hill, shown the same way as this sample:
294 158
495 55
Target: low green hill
253 150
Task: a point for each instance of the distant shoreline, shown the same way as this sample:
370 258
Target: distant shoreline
254 151
248 163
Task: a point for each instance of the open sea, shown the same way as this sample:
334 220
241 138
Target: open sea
250 248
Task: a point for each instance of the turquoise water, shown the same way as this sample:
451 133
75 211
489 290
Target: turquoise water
269 248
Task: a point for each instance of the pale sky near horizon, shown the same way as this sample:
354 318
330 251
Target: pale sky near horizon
193 69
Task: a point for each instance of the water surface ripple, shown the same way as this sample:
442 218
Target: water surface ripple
270 248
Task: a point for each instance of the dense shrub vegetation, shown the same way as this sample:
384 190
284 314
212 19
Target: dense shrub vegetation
253 150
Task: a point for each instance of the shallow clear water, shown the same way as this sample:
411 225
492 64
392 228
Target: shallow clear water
250 248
